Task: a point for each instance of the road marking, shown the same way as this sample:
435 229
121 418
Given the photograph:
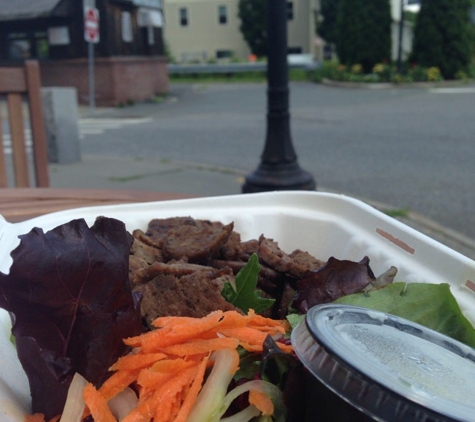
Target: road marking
458 90
7 142
87 126
96 126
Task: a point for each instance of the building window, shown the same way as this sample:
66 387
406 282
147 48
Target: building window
294 50
290 10
27 45
222 15
224 54
183 16
127 32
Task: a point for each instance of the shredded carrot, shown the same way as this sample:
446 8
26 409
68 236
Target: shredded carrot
162 401
152 379
201 346
161 322
246 335
192 394
36 417
260 320
137 361
173 365
175 334
167 366
171 391
39 417
117 382
97 405
261 401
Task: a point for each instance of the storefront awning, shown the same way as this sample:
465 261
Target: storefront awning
149 17
26 9
152 4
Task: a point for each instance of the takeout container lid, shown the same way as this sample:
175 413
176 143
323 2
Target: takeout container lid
324 224
389 368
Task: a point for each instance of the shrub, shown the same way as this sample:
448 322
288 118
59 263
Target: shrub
461 75
384 71
418 73
433 74
443 36
330 70
356 69
381 72
327 27
364 32
252 14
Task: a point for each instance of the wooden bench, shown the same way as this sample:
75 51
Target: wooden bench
18 83
18 204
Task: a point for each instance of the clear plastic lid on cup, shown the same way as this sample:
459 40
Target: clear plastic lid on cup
387 367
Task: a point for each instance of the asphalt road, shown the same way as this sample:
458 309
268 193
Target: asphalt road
412 149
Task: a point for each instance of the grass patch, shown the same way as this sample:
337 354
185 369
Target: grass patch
296 75
220 77
126 178
398 213
301 75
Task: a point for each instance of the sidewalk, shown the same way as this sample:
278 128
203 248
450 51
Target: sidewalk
146 174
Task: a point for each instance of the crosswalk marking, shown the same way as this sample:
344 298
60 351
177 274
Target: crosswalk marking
96 126
455 90
7 142
86 126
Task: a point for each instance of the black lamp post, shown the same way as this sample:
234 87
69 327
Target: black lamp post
279 169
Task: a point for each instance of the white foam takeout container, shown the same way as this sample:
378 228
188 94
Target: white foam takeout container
323 224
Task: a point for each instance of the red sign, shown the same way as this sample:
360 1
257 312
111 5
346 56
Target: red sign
91 24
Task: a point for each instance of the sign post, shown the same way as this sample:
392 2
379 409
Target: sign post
91 35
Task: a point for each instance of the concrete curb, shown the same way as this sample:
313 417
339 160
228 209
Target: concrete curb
384 85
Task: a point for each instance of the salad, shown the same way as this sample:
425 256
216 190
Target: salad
80 335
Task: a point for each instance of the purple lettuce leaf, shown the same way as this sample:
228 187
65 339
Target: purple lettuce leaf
71 305
335 279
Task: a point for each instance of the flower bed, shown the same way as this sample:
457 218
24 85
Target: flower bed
381 73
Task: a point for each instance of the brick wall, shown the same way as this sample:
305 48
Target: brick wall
117 80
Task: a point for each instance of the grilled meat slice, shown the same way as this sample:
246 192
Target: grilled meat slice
195 295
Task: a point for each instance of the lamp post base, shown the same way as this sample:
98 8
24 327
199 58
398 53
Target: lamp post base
272 177
279 169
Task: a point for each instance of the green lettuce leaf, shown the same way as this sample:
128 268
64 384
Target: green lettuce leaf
295 319
431 305
246 296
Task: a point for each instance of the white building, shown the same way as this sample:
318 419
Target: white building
203 30
208 30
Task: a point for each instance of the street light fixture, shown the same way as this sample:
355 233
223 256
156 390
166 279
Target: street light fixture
279 169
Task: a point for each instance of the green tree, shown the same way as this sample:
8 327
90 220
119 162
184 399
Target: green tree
443 36
254 25
327 27
364 32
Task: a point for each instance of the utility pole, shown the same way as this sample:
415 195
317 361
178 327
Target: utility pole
279 169
400 38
